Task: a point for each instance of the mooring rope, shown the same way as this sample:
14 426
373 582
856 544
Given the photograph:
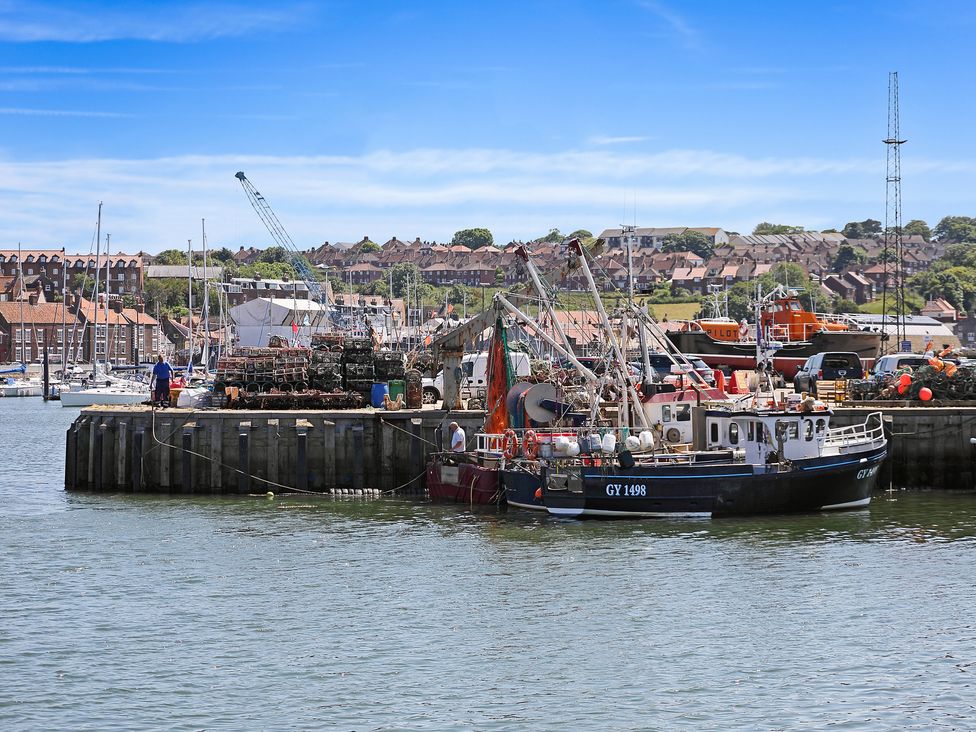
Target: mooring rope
208 458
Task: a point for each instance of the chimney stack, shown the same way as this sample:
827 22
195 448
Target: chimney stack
115 306
32 299
140 307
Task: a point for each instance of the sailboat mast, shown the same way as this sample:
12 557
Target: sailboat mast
108 284
20 276
64 314
98 250
189 301
205 355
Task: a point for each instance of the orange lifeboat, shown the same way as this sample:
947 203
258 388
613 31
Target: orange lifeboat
787 320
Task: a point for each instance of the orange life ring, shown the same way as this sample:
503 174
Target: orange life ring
530 446
511 444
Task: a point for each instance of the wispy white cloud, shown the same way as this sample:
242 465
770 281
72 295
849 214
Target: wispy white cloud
675 24
25 22
618 140
28 112
155 203
79 70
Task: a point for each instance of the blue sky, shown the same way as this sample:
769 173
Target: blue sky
417 119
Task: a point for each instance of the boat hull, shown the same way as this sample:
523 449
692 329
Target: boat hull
462 482
521 489
723 489
22 390
789 358
86 398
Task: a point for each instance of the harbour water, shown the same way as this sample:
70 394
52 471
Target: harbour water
126 612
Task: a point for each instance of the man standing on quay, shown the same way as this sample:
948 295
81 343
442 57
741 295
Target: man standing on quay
161 374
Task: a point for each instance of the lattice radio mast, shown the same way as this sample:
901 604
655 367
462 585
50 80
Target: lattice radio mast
894 269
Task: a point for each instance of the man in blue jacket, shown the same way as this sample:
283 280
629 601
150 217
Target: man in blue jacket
161 374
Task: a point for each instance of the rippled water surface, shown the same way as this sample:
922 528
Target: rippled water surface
124 613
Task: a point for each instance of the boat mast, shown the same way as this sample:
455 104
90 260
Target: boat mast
98 245
20 276
577 248
189 303
64 315
523 254
205 355
108 284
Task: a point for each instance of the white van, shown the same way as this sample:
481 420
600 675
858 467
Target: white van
474 370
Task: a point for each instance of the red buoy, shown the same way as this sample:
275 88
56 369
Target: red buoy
905 379
925 394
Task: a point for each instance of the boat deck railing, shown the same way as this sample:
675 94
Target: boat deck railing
870 431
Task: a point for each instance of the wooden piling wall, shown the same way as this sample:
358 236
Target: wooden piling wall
229 451
217 452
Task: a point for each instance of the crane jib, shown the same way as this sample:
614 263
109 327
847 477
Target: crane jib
277 230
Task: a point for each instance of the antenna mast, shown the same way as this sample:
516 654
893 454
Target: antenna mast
894 270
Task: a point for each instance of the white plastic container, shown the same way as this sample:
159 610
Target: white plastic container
632 443
595 444
609 442
573 449
561 445
646 440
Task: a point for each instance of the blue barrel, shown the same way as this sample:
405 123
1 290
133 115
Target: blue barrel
379 391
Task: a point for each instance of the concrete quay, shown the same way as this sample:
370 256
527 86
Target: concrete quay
929 446
215 452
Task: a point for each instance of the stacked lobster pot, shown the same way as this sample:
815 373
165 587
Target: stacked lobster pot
325 371
388 366
259 370
357 365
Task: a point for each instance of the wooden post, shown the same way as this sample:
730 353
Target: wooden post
217 456
186 457
164 458
92 431
416 446
302 426
243 463
388 462
272 453
97 456
71 457
328 455
138 445
358 458
121 455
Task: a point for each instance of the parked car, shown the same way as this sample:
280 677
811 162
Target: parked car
663 367
828 366
895 361
474 376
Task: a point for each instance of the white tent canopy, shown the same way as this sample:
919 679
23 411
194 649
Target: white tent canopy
264 317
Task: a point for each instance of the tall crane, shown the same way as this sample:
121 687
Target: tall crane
282 239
